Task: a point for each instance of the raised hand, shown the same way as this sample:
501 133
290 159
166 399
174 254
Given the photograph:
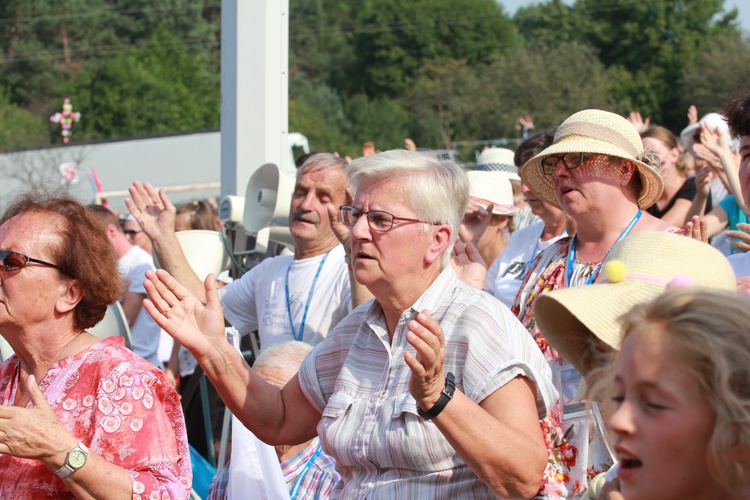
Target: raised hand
427 379
368 149
704 153
714 140
740 239
526 122
475 222
638 122
152 209
340 229
468 264
697 229
195 325
703 181
692 114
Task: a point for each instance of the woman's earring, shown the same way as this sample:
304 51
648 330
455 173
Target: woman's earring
623 181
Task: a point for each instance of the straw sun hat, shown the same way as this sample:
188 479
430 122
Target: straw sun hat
595 131
638 269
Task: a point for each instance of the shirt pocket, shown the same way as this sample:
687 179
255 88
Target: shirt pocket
339 403
404 403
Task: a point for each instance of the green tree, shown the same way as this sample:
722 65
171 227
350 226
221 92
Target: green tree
644 44
393 39
46 44
548 82
19 127
160 88
717 72
441 97
383 121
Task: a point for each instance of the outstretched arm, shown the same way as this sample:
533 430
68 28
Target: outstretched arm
156 214
277 416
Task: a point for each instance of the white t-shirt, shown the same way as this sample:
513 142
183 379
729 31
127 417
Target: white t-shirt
740 264
145 332
258 300
505 275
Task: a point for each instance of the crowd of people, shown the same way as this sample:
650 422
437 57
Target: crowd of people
568 319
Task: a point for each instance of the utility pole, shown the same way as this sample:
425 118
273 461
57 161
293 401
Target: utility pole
254 90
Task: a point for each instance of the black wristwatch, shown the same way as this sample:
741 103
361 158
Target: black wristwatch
447 395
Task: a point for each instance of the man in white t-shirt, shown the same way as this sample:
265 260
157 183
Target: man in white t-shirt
133 262
505 274
300 297
311 287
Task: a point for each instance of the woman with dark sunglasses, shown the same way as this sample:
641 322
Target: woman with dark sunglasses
80 416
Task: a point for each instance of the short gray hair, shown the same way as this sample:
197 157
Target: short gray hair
439 191
321 161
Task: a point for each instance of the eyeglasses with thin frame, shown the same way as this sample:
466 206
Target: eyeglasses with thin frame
378 220
131 232
569 161
13 261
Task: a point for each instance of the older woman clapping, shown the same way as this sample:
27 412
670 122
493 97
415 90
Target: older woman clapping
431 390
81 417
599 173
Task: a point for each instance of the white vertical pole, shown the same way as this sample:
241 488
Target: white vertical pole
254 90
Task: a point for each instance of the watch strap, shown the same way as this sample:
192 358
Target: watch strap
67 468
445 397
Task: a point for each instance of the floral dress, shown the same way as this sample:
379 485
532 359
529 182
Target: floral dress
577 448
121 407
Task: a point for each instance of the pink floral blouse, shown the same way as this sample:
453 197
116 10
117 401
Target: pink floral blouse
122 408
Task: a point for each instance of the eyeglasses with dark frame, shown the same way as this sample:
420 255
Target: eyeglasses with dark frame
131 232
378 220
569 161
13 261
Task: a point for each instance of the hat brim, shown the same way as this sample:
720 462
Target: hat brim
686 136
572 319
541 184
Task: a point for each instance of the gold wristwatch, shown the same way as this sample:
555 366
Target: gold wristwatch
75 460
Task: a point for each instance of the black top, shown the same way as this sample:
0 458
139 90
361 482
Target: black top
687 192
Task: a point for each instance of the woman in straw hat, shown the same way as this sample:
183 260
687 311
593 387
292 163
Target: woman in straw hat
599 174
582 323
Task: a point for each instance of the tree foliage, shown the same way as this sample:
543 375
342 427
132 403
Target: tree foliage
437 71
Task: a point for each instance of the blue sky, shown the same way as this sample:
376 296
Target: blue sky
744 11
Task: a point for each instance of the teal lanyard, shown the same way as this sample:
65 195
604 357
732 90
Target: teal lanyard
572 253
301 476
309 298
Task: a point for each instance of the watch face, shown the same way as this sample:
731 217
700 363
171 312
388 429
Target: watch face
76 459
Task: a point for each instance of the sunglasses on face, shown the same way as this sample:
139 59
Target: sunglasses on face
130 233
13 261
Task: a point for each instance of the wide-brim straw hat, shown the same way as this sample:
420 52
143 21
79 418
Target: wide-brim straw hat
492 187
638 269
595 131
498 160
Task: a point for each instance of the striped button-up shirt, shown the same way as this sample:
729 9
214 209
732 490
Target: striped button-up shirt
359 381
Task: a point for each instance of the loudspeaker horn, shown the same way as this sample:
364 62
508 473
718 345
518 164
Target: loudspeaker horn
267 198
